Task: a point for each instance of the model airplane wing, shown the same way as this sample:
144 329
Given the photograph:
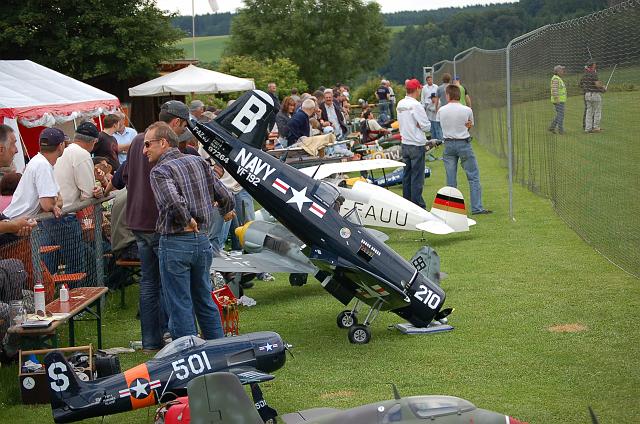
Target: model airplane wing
328 169
264 261
248 375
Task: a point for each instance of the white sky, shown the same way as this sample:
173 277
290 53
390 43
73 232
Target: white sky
183 7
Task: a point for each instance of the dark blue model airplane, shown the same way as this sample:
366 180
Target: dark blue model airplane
351 261
251 357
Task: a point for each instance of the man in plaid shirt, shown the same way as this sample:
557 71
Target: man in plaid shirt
185 190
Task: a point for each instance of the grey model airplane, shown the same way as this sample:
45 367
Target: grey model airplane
220 398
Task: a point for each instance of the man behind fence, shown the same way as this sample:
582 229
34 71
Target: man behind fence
74 169
456 120
185 190
558 98
413 123
8 149
38 190
592 88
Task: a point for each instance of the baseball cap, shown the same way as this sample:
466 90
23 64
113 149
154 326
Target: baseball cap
412 84
457 77
433 95
176 108
89 129
52 137
558 68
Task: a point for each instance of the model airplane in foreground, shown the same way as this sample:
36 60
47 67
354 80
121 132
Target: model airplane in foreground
220 398
249 357
351 261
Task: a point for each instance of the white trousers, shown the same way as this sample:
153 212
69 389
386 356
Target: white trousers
593 102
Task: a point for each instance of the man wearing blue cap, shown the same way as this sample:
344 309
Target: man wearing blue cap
38 190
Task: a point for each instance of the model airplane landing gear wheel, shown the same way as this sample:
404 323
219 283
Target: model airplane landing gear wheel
359 334
347 319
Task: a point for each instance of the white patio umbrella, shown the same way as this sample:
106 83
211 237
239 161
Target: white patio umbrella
192 79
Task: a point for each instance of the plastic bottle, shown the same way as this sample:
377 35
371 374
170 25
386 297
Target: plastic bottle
64 294
38 299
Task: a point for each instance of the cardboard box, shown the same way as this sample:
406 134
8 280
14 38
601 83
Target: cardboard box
34 386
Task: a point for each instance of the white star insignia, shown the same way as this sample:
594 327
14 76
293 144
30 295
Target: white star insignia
268 347
299 197
140 388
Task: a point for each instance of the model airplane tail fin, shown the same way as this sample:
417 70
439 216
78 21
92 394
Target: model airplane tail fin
220 397
427 262
249 118
448 205
63 381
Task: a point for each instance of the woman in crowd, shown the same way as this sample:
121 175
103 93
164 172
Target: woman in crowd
282 119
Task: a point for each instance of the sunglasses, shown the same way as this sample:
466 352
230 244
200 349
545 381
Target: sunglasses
147 143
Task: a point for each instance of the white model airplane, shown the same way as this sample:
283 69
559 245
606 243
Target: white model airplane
379 207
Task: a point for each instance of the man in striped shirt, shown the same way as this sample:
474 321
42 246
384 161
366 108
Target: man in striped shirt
185 190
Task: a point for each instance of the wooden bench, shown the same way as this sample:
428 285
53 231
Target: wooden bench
82 299
133 268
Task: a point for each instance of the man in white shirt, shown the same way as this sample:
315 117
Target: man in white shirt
413 122
429 89
456 120
124 136
74 170
38 190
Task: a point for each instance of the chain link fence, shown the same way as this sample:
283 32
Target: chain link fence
592 178
70 250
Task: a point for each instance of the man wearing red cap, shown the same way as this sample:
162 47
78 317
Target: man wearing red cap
413 122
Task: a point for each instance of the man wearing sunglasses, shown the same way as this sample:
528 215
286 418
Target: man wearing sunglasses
185 190
141 217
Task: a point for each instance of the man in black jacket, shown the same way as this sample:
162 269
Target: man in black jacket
592 88
331 115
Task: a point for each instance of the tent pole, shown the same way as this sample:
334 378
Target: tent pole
193 28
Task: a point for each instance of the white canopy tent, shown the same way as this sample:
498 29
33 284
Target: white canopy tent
33 96
192 80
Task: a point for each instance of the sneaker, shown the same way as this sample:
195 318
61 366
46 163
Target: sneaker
482 212
552 130
596 130
265 276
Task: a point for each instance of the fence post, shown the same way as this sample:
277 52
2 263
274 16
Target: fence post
455 72
509 133
97 233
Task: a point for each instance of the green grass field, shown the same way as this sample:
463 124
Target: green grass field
208 49
510 282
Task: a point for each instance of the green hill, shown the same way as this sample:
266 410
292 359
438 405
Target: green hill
208 49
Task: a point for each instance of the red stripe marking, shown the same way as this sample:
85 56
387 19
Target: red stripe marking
449 203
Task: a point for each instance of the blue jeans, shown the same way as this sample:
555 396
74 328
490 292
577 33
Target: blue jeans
153 318
185 260
244 207
558 120
216 233
436 130
454 150
413 177
383 110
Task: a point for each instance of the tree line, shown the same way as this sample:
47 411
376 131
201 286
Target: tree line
488 28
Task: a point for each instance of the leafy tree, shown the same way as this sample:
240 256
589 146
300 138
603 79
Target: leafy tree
86 38
330 40
282 71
